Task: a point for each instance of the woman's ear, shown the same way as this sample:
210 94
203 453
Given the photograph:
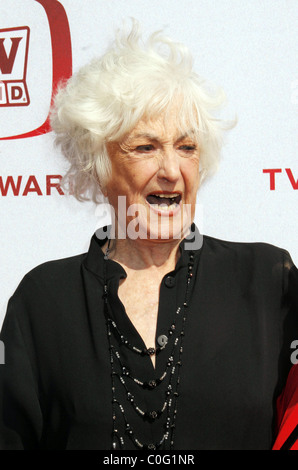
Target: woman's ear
104 191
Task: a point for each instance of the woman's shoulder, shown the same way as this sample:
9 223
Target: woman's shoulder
263 262
50 278
55 270
43 292
260 250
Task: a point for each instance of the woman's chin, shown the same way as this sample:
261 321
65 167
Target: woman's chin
147 222
164 230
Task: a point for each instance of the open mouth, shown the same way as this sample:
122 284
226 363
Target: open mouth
164 201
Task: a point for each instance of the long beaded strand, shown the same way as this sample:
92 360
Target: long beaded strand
170 424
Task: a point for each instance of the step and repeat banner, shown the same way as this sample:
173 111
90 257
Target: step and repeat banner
247 48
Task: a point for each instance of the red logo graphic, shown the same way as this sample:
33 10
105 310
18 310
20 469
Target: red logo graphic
14 43
12 185
273 171
13 66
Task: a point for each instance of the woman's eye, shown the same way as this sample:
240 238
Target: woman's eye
145 148
187 148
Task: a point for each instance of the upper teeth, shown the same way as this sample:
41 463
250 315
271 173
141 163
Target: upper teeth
167 195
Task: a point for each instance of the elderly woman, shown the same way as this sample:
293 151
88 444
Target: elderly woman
155 338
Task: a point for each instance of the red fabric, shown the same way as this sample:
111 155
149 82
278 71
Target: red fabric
287 411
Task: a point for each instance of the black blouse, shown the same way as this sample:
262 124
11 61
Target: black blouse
56 386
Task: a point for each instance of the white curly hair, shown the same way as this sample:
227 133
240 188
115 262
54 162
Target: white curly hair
106 98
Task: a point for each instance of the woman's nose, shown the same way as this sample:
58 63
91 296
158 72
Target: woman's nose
169 166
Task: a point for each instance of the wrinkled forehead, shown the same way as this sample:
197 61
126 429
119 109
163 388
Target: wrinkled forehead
174 123
155 131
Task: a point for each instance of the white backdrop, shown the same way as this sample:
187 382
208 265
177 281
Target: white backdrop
248 48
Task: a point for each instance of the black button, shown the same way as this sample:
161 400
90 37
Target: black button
170 281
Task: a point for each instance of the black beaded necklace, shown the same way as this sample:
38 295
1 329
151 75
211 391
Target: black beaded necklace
172 371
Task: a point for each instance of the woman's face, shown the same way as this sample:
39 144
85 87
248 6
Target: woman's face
156 168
